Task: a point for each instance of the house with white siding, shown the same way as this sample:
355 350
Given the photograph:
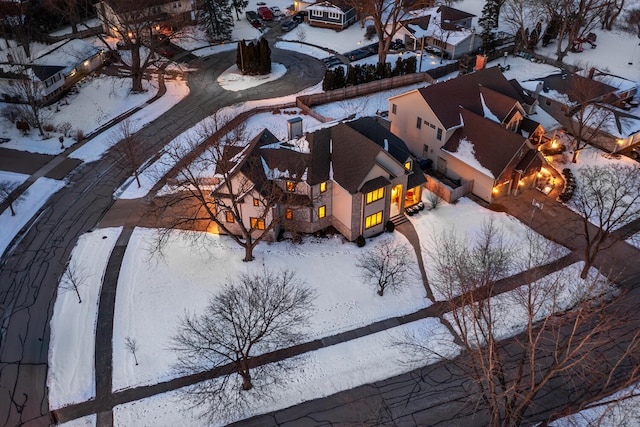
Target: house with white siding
353 176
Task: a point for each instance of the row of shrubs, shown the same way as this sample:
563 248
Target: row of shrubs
570 186
358 74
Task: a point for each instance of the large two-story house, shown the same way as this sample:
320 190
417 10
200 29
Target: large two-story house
353 176
474 129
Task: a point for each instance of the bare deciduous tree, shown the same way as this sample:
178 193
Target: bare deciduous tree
212 189
73 278
588 113
507 375
577 19
386 266
605 198
519 15
255 314
6 194
131 344
387 16
137 25
128 152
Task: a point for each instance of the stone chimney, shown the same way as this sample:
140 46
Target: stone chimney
294 128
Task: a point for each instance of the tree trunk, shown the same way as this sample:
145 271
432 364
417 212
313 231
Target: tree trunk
136 72
137 175
381 291
246 381
248 252
78 294
13 212
585 269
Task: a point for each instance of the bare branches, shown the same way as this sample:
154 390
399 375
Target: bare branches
258 313
508 374
128 151
6 194
73 278
131 344
385 266
605 198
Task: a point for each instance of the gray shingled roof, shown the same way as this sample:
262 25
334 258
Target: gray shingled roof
494 145
445 98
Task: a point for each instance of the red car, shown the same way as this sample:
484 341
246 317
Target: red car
265 13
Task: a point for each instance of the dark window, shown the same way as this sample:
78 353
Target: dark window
419 123
439 135
394 108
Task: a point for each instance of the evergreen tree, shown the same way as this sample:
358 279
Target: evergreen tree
352 78
239 6
265 57
241 55
410 65
327 83
338 78
398 69
217 19
489 22
253 59
552 30
533 39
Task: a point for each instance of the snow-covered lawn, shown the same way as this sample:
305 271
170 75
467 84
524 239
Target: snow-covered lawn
314 375
14 178
340 41
154 293
233 80
27 205
466 218
177 89
72 347
98 99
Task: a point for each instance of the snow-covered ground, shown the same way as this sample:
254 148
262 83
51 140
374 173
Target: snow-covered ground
27 205
153 293
71 377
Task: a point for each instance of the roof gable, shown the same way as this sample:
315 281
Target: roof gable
493 146
445 98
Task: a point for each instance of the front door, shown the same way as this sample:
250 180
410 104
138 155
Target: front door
396 200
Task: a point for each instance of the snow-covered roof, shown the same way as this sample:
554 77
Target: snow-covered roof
466 153
448 33
66 53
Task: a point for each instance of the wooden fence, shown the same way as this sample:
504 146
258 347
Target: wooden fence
447 193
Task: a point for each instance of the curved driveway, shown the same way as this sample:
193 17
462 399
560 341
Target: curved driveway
29 273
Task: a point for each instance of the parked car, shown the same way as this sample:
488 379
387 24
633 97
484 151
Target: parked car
397 44
357 54
635 153
373 48
253 19
300 16
332 61
288 25
275 10
166 52
265 13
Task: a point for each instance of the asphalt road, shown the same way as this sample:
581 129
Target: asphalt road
30 270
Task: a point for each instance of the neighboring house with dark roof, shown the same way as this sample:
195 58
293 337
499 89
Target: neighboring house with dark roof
353 176
55 69
443 27
335 14
163 13
485 111
616 123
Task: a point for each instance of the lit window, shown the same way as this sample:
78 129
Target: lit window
374 195
288 214
373 220
407 165
323 187
229 216
291 186
322 211
256 202
257 223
